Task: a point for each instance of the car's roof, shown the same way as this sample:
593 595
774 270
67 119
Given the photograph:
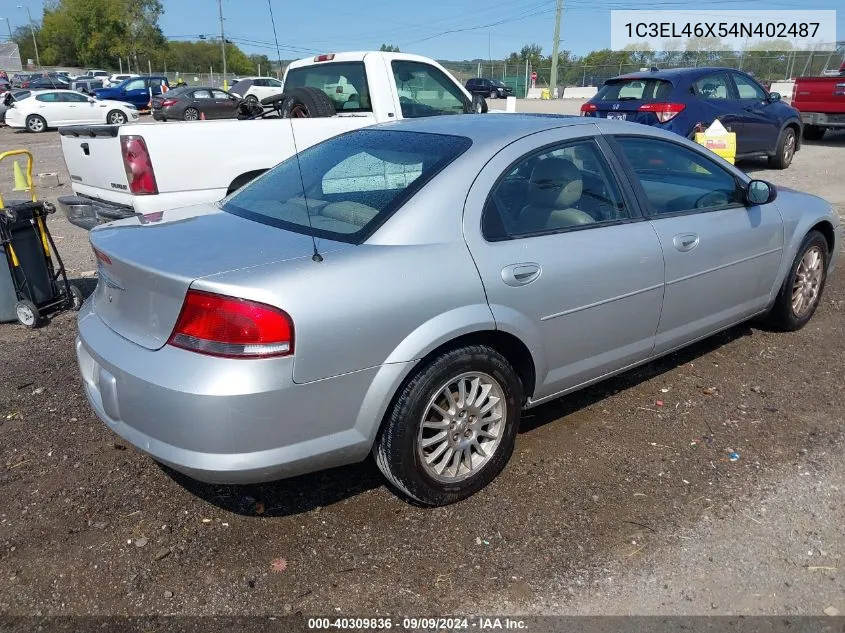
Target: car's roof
498 128
671 73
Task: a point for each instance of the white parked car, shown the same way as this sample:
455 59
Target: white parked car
113 80
256 88
44 109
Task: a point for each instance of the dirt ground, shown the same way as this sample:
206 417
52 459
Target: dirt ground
612 504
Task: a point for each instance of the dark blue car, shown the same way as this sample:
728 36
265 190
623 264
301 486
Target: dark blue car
679 99
135 90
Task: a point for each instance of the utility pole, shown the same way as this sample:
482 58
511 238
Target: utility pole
555 48
9 24
32 30
223 44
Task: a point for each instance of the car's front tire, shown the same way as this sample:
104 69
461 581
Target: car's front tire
116 117
802 289
452 428
191 114
785 151
36 123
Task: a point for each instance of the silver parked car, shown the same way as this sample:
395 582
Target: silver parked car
408 289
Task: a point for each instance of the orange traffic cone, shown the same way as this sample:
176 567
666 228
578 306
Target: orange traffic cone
202 116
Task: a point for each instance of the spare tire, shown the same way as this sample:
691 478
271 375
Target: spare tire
307 103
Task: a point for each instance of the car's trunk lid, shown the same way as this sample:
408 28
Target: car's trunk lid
147 264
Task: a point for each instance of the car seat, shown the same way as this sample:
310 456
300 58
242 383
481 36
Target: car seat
554 191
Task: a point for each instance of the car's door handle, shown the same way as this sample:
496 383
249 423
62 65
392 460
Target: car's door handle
521 274
686 242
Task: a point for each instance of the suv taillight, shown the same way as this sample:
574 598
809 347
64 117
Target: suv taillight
139 168
218 325
664 112
588 107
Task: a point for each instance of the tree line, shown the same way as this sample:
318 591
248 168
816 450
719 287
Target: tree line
111 33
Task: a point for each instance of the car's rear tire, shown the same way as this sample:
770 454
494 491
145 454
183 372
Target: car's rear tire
805 281
116 117
785 150
813 132
191 114
36 123
424 431
307 103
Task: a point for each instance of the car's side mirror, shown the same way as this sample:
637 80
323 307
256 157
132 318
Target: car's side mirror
774 96
760 192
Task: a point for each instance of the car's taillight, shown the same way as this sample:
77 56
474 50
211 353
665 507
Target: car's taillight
102 257
139 168
588 107
217 325
664 112
168 102
324 58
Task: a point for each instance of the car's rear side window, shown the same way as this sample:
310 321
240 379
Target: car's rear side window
346 187
635 90
345 83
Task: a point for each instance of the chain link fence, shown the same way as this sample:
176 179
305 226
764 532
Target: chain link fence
766 66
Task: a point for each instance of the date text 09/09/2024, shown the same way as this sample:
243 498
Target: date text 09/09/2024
783 30
418 624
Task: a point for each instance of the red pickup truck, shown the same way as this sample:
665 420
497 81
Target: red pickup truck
821 101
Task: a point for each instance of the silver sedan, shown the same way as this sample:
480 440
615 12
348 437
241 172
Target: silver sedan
409 289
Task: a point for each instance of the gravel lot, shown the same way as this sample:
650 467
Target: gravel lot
611 504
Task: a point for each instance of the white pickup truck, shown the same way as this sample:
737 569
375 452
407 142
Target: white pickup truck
118 171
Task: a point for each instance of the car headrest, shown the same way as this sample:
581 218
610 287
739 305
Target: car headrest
555 183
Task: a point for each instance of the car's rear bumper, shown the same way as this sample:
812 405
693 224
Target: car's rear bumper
822 119
87 213
220 420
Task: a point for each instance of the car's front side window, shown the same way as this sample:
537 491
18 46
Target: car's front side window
747 88
677 179
136 84
566 187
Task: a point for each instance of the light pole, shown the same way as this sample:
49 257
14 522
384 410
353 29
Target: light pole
32 29
9 24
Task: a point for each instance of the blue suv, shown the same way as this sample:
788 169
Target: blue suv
137 91
681 98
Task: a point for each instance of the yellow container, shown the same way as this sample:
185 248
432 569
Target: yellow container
722 144
545 94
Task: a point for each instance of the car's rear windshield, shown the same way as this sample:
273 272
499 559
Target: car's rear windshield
634 90
345 83
346 187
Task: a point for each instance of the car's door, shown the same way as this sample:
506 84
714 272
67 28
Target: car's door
721 256
201 100
565 258
81 110
224 104
51 108
135 92
759 126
